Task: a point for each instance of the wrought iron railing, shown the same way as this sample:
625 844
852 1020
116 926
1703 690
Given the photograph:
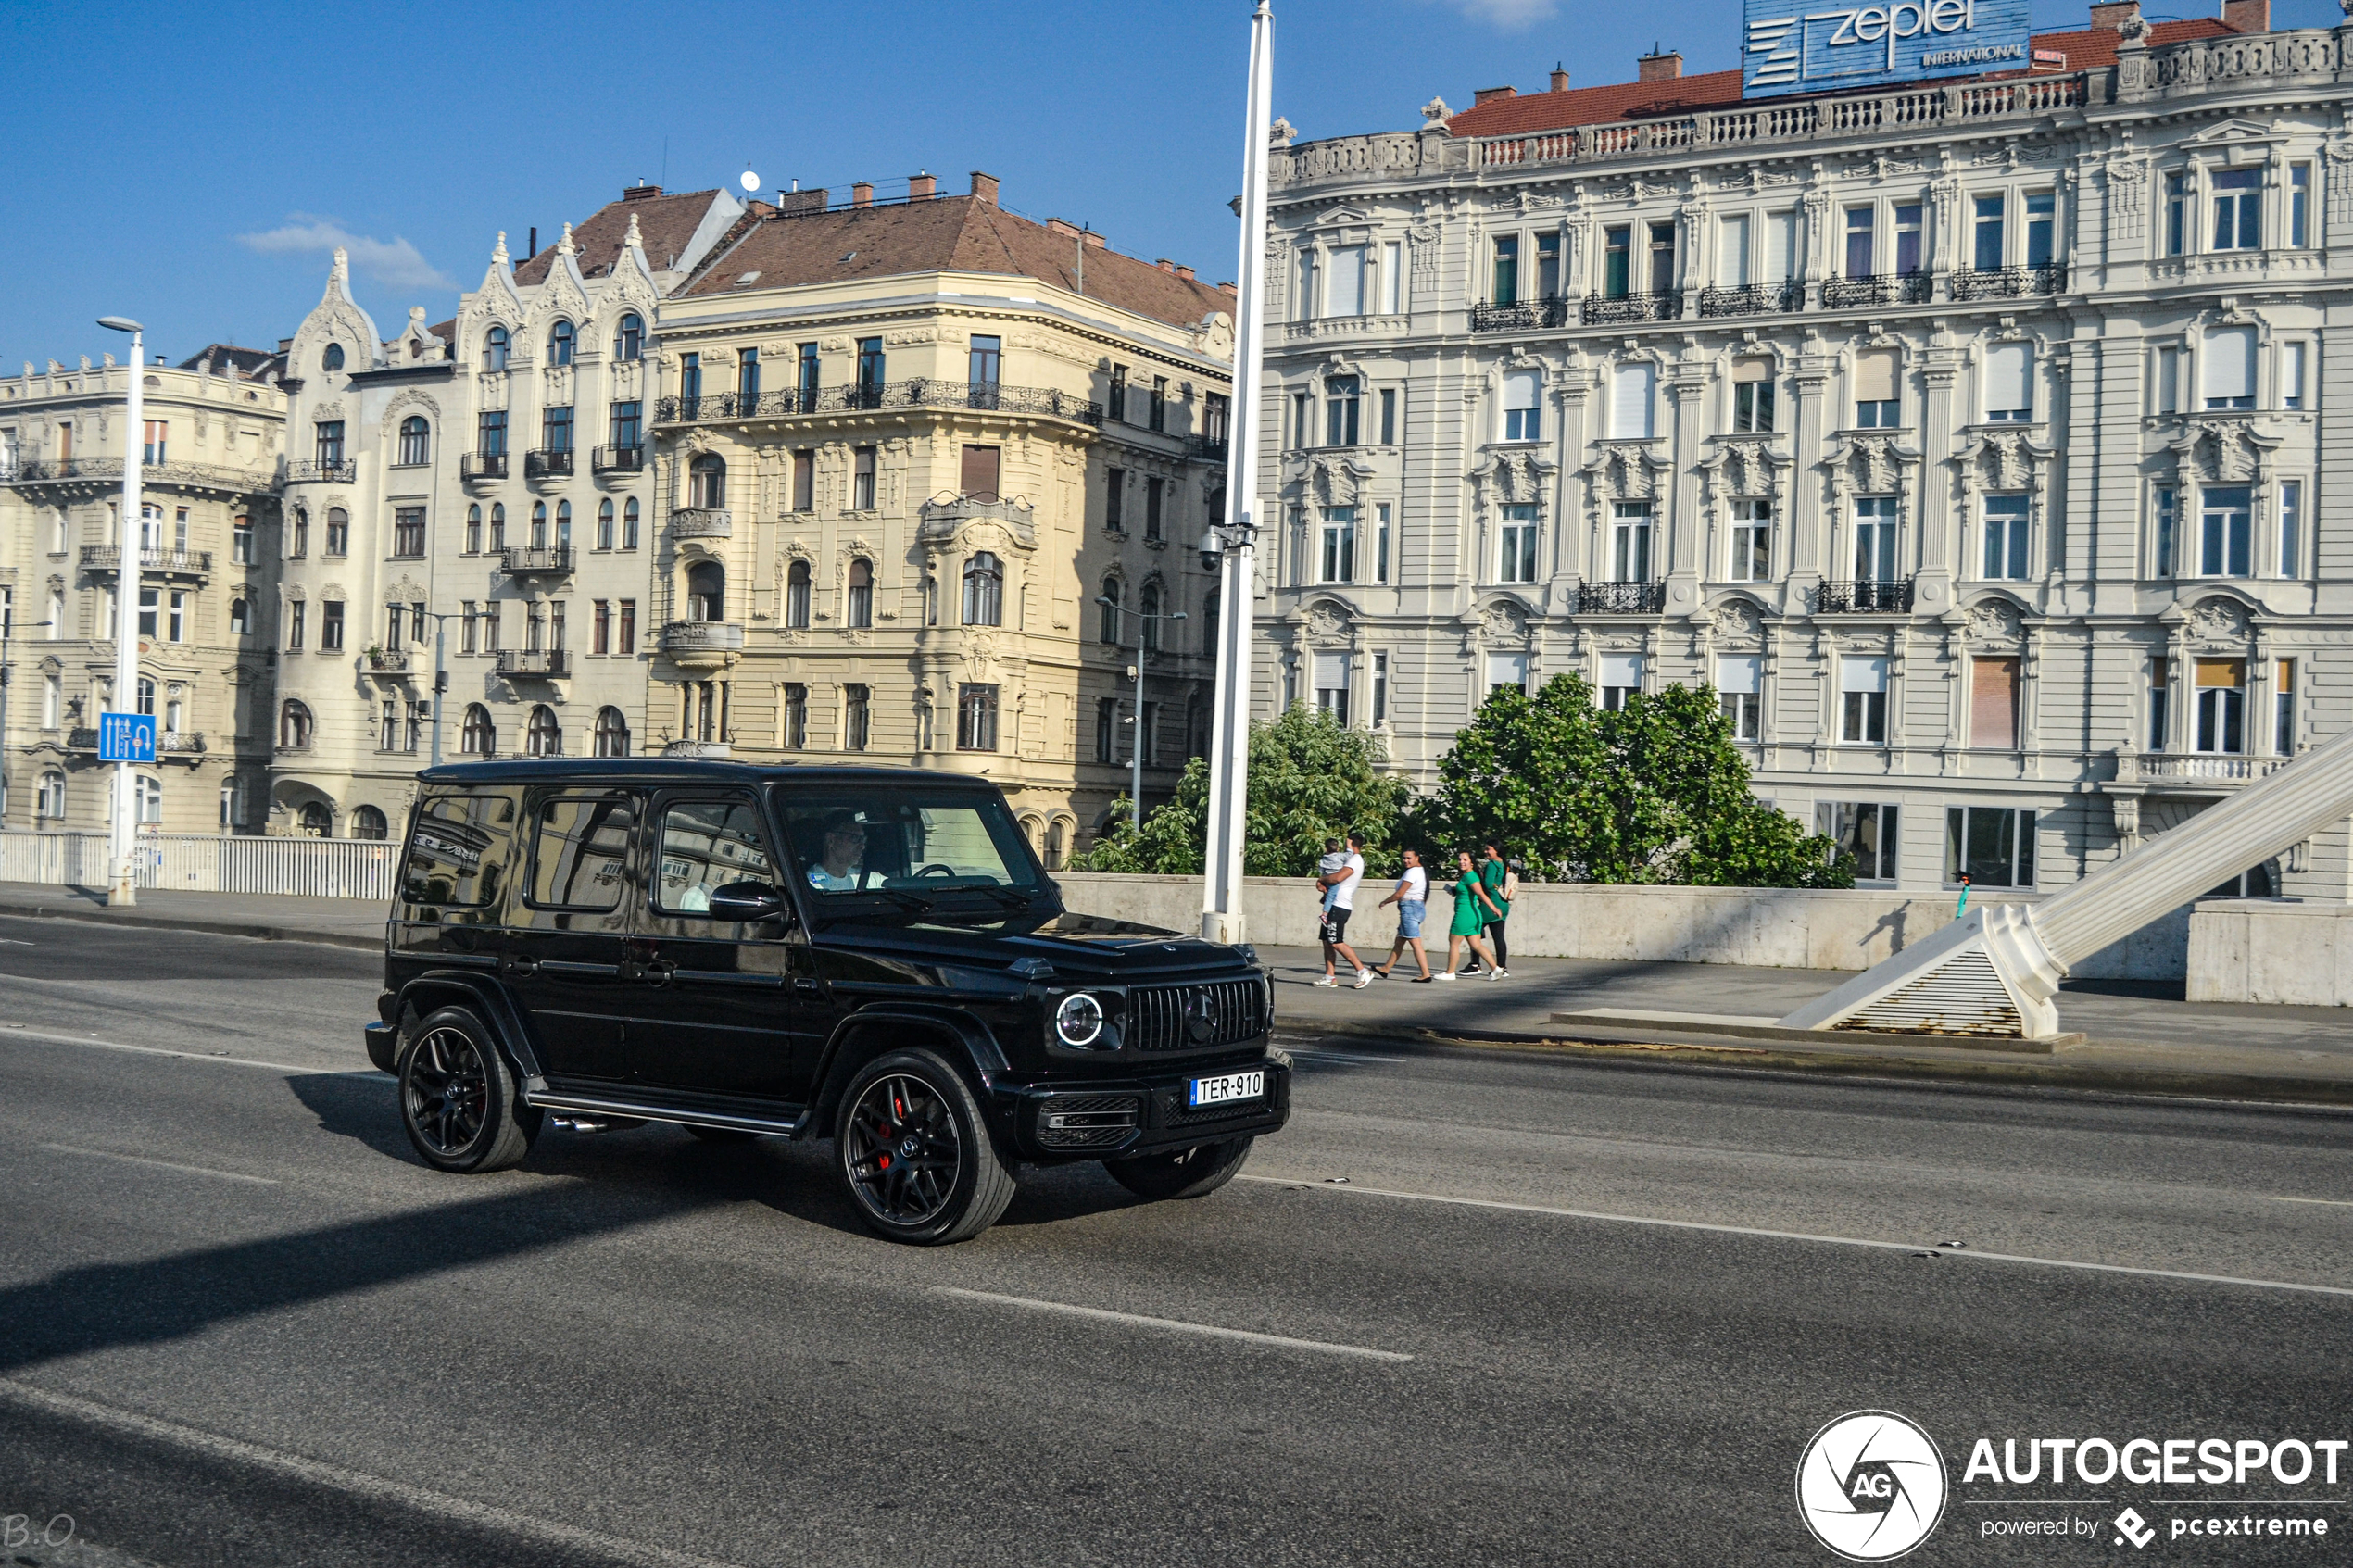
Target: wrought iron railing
545 664
937 394
1879 288
521 560
546 465
1752 299
1865 597
702 636
2010 282
323 471
186 563
617 460
1213 447
482 465
1609 310
1526 315
1620 598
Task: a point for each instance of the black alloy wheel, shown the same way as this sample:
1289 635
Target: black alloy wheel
916 1154
458 1100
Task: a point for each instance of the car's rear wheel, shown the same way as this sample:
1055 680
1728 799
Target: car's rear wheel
459 1100
1186 1172
916 1151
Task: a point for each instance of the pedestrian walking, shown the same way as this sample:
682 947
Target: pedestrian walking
1473 909
1411 896
1344 883
1497 876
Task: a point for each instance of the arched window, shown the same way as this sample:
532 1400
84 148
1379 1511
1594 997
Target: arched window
629 341
333 359
796 596
984 591
604 523
479 737
1055 845
498 525
369 823
473 531
1147 613
707 591
629 524
147 695
49 802
416 442
1107 627
860 609
494 348
538 525
560 343
315 820
232 805
148 799
175 717
612 732
338 532
543 736
707 482
294 726
240 618
564 526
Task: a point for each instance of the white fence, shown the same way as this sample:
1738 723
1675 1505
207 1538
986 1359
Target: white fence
329 868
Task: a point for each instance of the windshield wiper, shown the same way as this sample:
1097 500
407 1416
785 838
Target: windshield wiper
905 900
1006 897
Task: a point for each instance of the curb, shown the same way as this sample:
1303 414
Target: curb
160 921
2078 1069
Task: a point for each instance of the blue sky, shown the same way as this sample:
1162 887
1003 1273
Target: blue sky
190 166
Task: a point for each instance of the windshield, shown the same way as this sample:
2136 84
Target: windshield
921 842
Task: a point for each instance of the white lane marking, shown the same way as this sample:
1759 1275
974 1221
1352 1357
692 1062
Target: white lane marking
1304 1053
2331 1202
1173 1324
1312 1184
14 1033
13 942
161 1164
352 1483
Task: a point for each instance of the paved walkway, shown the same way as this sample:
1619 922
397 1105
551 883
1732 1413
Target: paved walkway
342 922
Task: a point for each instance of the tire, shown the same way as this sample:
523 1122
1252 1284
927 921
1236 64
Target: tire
916 1152
721 1135
459 1100
1188 1172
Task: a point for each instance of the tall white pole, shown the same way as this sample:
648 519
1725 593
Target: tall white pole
124 844
1221 918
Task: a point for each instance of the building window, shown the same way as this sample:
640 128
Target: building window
2168 380
1381 689
1338 557
984 360
1392 278
1875 539
1107 626
49 799
707 482
1331 684
976 718
1987 257
1877 406
2009 395
1115 402
2181 213
338 532
175 625
1862 225
861 480
2221 705
1523 411
1629 542
2238 208
241 541
332 360
298 537
1752 398
329 442
2291 375
2291 527
330 625
1737 680
2225 530
804 481
1342 400
707 591
295 610
2005 519
624 636
1303 426
1662 277
1866 829
473 531
491 611
240 617
1752 540
1209 608
2162 545
1380 546
2284 709
795 716
294 725
2227 378
555 427
494 348
1621 678
416 442
497 527
611 733
1993 846
1993 709
1630 401
1908 234
746 380
1148 618
1156 494
689 385
1107 730
1156 413
2300 204
2159 703
797 583
1517 534
604 523
629 524
1862 684
407 531
1114 499
601 627
984 593
628 425
1617 261
980 472
2041 213
564 526
1506 272
543 736
859 609
490 434
629 341
857 716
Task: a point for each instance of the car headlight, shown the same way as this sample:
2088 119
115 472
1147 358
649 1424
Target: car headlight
1249 951
1079 1021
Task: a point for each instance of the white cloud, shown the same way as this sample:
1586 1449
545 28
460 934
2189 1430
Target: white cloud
1508 15
394 263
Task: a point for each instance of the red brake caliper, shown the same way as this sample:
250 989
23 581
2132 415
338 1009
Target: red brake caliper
900 1111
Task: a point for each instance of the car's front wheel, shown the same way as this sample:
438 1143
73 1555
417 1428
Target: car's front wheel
459 1100
916 1152
1186 1172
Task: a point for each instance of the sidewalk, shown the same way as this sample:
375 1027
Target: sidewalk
341 922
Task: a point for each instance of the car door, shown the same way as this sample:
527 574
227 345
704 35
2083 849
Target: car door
711 1004
565 946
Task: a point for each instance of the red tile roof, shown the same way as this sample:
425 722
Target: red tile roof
2091 48
665 222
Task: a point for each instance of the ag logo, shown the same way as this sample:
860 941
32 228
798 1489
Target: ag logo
1870 1485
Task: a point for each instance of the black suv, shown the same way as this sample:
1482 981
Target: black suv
868 954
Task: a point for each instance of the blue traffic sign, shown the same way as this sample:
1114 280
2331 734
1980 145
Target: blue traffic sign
126 737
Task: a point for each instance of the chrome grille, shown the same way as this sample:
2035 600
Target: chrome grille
1156 1015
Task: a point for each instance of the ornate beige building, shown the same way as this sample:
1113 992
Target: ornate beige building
904 450
211 446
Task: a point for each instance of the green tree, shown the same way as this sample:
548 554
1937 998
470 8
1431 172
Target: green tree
1309 780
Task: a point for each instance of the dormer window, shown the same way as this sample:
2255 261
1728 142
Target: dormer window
560 342
494 350
333 359
629 343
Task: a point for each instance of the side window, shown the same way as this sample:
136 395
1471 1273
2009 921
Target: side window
579 847
705 844
457 850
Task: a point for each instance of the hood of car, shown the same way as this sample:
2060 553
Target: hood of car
1079 948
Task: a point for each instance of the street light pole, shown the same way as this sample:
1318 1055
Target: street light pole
123 841
1136 672
1231 541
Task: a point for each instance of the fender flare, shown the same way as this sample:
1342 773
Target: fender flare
975 1051
440 988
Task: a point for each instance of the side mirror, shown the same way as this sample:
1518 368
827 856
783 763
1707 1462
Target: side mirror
747 901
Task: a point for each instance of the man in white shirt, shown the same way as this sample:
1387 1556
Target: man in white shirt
1344 883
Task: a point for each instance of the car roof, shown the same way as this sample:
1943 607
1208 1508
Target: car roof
683 770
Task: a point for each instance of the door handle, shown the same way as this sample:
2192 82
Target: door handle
804 986
657 970
522 969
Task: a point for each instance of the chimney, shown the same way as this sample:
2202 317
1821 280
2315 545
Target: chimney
1185 273
985 187
1659 65
1096 241
1234 289
2107 15
861 193
922 187
811 200
1484 93
2247 16
1165 264
1062 226
1560 79
639 191
535 243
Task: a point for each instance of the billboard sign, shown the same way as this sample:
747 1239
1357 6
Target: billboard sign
1789 50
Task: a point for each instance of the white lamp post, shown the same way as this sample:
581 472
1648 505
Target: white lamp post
124 839
1232 543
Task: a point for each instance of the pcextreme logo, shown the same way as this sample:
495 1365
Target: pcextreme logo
1870 1485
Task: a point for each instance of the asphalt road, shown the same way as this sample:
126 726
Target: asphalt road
1557 1312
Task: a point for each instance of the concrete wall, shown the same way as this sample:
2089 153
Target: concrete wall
1771 927
2279 950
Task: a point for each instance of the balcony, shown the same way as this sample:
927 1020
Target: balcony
1531 315
1211 448
2010 282
1616 310
323 471
702 636
1620 598
617 460
389 662
701 749
989 396
482 465
1879 288
528 560
1752 299
185 743
1863 599
703 523
192 564
534 664
547 465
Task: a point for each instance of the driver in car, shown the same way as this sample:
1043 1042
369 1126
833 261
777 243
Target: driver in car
837 870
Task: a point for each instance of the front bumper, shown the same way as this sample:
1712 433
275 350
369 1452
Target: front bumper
1113 1118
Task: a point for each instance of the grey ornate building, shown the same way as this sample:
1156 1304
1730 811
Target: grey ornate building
1966 436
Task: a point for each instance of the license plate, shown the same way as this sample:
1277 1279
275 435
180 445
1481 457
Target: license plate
1230 1086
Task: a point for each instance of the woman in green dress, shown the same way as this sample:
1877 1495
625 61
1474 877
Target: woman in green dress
1473 909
